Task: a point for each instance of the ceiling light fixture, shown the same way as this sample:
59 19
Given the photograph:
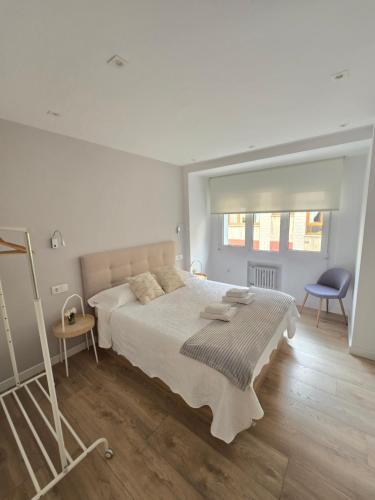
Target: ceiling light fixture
341 75
117 61
53 113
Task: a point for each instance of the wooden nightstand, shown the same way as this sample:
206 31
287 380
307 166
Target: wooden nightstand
201 276
84 323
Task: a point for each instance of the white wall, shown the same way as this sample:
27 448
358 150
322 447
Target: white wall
199 220
362 338
230 264
98 197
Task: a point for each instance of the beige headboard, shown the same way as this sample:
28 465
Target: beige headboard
104 270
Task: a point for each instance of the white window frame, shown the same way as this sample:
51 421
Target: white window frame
266 252
284 251
221 233
325 237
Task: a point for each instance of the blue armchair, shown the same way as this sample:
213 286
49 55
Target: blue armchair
333 284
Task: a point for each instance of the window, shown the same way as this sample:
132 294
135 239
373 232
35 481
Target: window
234 230
305 231
270 232
266 232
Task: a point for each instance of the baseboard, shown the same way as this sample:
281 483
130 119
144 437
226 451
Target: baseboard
362 354
34 370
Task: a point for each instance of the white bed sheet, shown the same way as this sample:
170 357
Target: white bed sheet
151 336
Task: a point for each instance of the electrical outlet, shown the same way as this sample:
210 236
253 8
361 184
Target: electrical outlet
59 288
179 257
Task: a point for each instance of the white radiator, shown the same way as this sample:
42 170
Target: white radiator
262 276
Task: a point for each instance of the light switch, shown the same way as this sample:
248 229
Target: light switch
179 257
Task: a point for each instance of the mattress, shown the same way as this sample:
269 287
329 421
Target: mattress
150 337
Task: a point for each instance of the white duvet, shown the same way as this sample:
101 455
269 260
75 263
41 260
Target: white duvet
150 337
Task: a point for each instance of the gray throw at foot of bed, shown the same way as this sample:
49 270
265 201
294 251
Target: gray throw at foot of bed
233 348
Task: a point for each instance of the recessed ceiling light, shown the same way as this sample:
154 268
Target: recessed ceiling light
53 113
341 75
117 61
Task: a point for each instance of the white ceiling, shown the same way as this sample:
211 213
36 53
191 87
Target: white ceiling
204 79
359 148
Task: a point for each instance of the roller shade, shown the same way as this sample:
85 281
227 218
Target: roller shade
308 186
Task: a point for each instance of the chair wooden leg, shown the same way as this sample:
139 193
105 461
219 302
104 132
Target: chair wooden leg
327 306
319 310
343 311
303 304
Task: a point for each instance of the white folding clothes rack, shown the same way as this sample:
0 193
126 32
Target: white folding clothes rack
67 463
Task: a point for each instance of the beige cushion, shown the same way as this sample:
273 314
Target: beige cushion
169 278
145 287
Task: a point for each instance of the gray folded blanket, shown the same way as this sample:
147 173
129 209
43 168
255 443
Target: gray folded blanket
233 348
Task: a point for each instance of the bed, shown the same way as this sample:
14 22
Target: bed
150 336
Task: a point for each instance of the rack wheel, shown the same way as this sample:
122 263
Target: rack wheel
108 453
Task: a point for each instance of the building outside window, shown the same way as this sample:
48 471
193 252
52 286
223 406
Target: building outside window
305 231
234 230
266 232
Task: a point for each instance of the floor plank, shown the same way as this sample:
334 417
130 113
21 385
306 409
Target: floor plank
316 440
302 483
338 408
345 472
214 476
330 433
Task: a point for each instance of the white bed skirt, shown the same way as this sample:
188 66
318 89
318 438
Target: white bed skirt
233 409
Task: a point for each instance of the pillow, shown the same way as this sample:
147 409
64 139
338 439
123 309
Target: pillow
169 278
112 298
145 287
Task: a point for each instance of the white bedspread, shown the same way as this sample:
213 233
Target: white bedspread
151 336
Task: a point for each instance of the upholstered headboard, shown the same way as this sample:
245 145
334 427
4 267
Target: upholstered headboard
104 270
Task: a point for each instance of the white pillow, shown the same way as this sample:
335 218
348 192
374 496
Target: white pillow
112 298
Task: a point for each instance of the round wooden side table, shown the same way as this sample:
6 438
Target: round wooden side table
84 323
200 276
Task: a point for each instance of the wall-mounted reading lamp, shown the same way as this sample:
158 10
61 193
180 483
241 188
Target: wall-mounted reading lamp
57 240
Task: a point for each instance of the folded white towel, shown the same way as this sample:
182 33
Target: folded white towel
217 308
248 299
222 317
237 292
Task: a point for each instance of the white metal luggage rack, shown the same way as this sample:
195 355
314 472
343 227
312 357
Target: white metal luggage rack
67 463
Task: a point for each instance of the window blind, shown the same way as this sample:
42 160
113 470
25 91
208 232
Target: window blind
293 188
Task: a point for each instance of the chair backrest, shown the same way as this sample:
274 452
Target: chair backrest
337 278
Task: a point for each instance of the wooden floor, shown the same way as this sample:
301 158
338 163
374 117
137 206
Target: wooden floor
317 439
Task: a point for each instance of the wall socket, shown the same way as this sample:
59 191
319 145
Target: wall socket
59 288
